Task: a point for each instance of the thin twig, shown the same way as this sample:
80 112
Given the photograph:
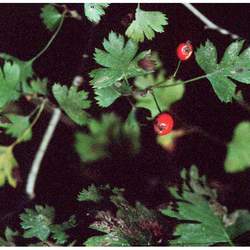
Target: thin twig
32 177
208 23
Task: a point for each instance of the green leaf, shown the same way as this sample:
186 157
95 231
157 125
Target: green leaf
119 61
106 96
165 96
201 217
238 157
7 164
233 65
50 16
110 130
58 230
90 194
25 67
146 23
111 240
94 11
37 86
17 126
72 102
36 222
9 83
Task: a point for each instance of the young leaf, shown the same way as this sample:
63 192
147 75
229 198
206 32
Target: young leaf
36 222
72 102
238 157
17 126
7 164
146 23
9 83
202 220
51 17
90 194
165 96
119 61
94 11
233 65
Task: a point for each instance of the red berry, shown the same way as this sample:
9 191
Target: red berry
164 124
184 50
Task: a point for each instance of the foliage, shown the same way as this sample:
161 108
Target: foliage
51 17
119 63
39 223
165 96
90 194
104 133
7 164
36 87
17 126
25 70
233 64
146 23
72 102
9 83
94 11
131 226
238 157
203 221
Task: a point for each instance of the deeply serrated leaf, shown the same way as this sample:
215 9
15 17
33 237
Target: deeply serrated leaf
238 157
94 11
106 96
36 222
51 17
200 221
7 164
90 194
146 23
18 126
233 65
73 102
119 61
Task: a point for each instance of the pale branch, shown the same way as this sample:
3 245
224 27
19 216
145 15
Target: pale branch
32 177
208 23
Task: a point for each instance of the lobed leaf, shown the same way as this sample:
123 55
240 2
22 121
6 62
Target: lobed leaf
146 23
73 102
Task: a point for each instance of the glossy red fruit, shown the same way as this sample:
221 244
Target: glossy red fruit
164 124
184 50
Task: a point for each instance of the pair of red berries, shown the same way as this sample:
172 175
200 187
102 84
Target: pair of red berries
164 122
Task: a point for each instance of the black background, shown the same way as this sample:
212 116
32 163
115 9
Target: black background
144 176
